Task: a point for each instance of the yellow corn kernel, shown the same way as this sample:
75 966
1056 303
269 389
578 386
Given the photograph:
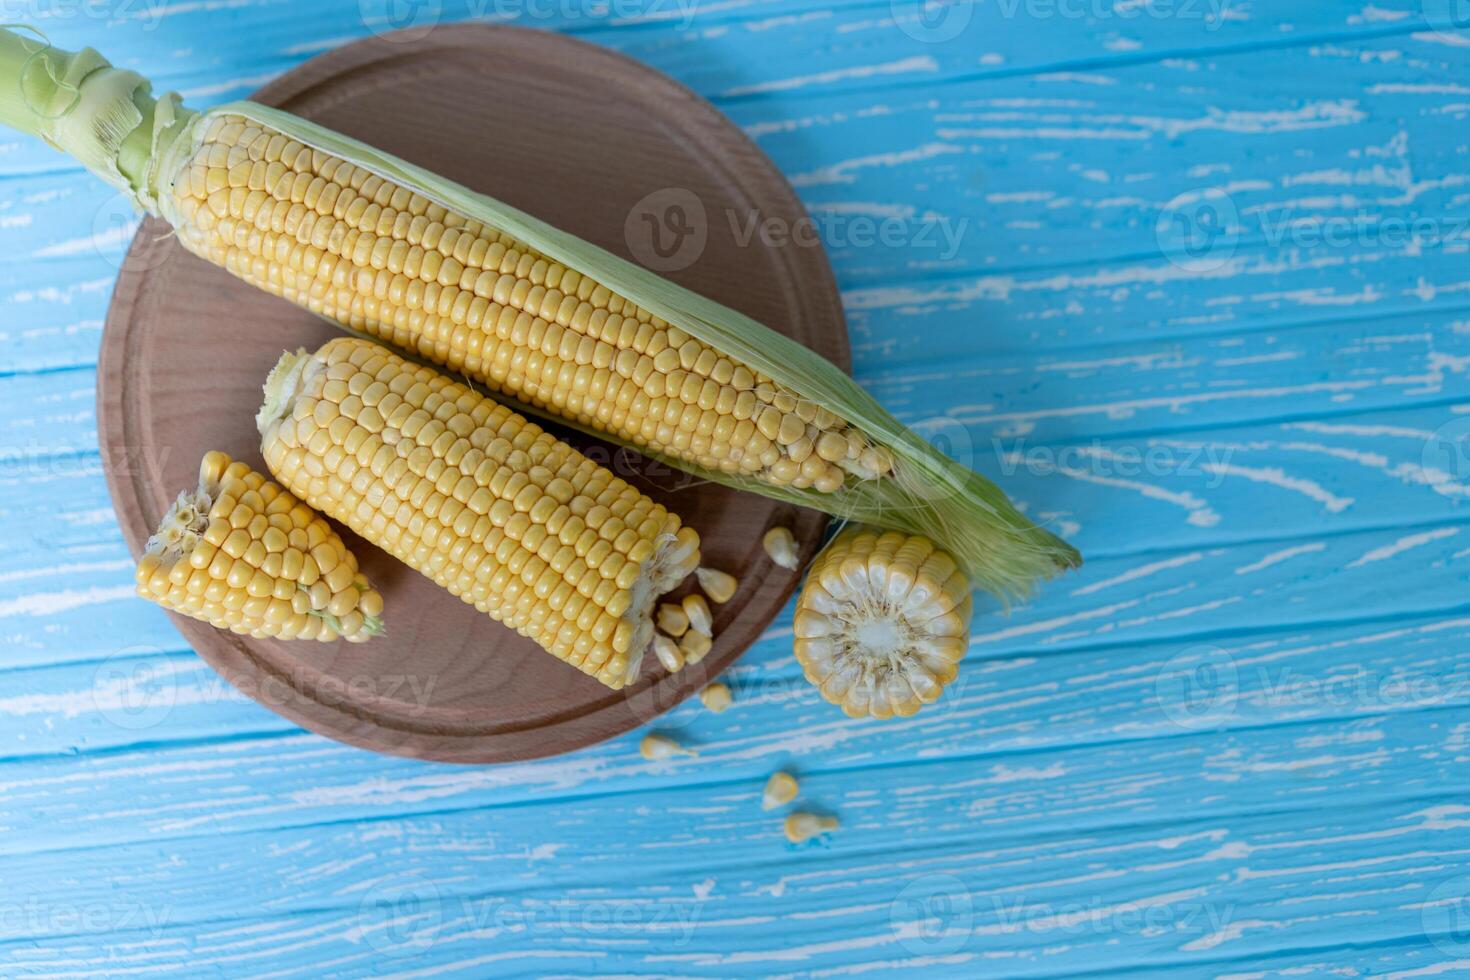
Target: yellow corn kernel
668 653
715 697
694 646
780 545
780 789
719 586
802 827
655 747
700 620
672 619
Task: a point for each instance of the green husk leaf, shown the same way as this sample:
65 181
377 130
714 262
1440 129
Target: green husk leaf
929 493
105 117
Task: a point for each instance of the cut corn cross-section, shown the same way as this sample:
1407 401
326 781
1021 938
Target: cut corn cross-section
882 622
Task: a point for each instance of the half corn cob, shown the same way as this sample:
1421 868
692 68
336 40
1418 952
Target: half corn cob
241 553
566 329
485 503
882 622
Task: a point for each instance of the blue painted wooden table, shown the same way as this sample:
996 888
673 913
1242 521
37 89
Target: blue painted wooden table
1189 277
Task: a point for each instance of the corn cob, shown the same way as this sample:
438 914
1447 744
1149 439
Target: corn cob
386 249
241 553
382 259
480 500
882 622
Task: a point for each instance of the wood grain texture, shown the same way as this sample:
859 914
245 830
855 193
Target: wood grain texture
1235 745
186 349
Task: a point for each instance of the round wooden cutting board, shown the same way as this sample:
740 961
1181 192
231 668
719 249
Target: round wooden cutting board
588 140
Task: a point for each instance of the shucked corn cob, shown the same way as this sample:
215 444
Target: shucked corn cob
882 622
565 328
483 502
242 554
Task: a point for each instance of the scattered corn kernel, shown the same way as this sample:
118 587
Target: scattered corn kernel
719 586
700 620
780 790
802 827
716 697
780 545
672 619
694 646
668 653
658 747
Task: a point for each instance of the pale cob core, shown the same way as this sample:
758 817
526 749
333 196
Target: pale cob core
386 261
480 500
882 622
243 554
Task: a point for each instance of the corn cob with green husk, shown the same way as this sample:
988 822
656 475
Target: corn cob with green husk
536 315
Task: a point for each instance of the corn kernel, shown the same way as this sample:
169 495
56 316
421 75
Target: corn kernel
780 790
715 697
802 827
780 545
